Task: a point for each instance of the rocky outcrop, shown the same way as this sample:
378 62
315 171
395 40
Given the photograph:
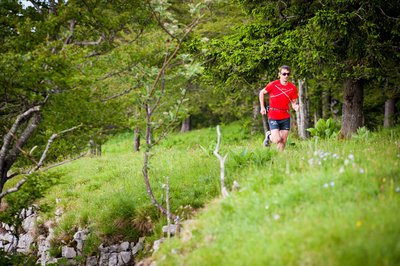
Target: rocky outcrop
36 239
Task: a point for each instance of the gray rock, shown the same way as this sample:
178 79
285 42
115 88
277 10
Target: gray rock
29 223
24 243
8 242
79 237
104 259
124 246
114 248
157 243
68 252
91 261
124 258
58 212
104 249
7 238
138 246
7 227
113 261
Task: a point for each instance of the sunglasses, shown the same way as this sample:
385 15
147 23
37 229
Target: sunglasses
285 74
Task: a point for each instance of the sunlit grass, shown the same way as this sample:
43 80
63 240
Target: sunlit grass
107 194
322 202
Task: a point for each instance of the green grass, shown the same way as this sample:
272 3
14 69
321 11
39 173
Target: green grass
108 194
321 202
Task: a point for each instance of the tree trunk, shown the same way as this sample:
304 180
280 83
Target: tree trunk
318 106
98 150
185 125
352 117
136 139
326 104
389 113
3 178
12 144
255 128
92 146
303 116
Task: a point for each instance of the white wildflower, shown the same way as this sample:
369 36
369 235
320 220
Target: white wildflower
341 170
351 157
362 171
332 184
276 216
326 185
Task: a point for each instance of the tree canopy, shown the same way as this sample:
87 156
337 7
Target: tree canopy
99 64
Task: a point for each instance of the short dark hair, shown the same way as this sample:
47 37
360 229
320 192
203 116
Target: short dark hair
284 67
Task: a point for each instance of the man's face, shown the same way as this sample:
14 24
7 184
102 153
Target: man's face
284 75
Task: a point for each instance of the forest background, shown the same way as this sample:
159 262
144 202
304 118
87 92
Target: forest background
75 73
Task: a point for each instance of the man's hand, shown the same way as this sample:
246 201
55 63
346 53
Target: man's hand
296 106
263 111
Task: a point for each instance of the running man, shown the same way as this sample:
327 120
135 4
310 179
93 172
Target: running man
281 94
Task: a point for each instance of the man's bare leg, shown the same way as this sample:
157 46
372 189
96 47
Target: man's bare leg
284 136
279 137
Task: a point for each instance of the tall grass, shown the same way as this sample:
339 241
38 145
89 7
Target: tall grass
321 202
107 194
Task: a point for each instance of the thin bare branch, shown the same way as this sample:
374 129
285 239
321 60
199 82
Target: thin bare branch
63 162
168 206
156 104
224 191
25 178
84 43
172 56
157 17
117 73
127 91
49 142
387 15
69 39
15 188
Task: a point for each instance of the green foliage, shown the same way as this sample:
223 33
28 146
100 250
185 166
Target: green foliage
325 129
245 157
34 188
362 134
7 259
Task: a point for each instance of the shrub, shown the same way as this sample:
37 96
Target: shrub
362 134
325 129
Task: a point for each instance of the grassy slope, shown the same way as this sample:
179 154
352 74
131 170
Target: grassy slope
319 202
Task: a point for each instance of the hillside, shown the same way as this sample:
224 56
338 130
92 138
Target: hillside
321 202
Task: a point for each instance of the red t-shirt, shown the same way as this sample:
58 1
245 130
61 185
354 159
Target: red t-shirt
280 97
